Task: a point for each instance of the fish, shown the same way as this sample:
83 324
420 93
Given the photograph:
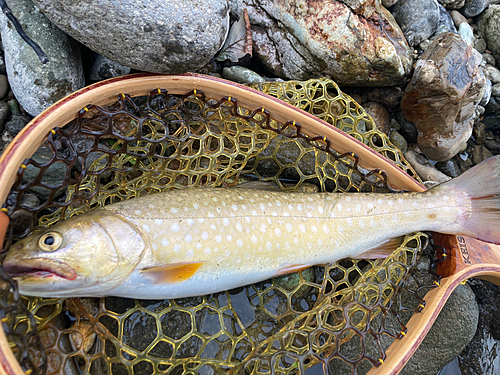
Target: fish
194 242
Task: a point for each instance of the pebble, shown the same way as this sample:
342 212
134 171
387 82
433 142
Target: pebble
495 90
162 36
480 153
487 93
22 220
387 96
4 114
16 124
418 19
479 133
457 18
489 26
452 4
380 116
104 68
445 23
439 104
4 86
398 140
474 7
36 85
241 74
407 129
493 146
389 3
480 45
449 167
465 31
489 59
492 73
425 170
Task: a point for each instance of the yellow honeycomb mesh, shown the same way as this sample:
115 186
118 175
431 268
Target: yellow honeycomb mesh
328 317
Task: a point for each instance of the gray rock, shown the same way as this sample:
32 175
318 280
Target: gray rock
480 153
457 17
495 90
418 19
241 74
4 114
452 4
487 93
407 130
465 31
4 86
16 124
154 36
492 73
449 167
450 334
398 141
445 23
474 7
489 26
307 39
489 59
493 146
425 170
480 45
104 68
479 133
389 3
36 85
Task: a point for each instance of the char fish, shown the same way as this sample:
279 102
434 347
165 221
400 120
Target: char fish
193 242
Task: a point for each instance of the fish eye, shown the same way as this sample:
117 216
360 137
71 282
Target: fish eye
50 241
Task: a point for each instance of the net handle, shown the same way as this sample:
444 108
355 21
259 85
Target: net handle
106 92
467 258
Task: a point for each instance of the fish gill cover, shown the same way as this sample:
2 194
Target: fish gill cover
340 316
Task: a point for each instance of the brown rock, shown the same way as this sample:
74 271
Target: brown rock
480 153
389 96
379 115
441 98
479 133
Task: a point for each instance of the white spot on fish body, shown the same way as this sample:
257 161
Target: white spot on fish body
447 209
158 221
213 227
314 228
190 253
229 238
247 256
227 253
370 205
190 222
247 219
263 228
239 243
445 197
400 201
177 248
214 199
201 220
155 246
239 227
234 207
243 207
320 242
262 207
198 245
207 251
348 199
225 221
146 228
218 238
290 207
395 218
285 214
349 221
302 228
269 245
380 201
309 214
137 212
196 206
277 232
278 203
339 206
326 228
175 227
320 209
254 238
299 207
269 221
188 238
289 227
165 242
372 222
415 205
211 214
358 208
390 202
274 213
254 213
174 210
340 229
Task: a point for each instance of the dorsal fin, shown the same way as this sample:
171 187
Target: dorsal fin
382 250
171 273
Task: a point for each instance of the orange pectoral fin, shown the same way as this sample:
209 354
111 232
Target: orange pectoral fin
382 250
293 268
171 273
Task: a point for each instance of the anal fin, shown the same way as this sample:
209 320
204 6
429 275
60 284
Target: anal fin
171 273
382 250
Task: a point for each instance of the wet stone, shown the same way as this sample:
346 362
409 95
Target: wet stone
452 4
445 23
418 19
104 68
387 96
495 90
380 116
442 96
17 123
480 45
489 26
407 129
398 141
4 114
457 18
474 7
479 133
492 73
389 3
241 74
488 58
449 167
480 154
487 93
4 86
465 31
425 170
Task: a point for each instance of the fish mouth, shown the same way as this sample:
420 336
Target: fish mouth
38 268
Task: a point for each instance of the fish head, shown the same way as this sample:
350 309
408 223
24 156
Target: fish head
85 256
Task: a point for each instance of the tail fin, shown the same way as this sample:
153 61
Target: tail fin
482 185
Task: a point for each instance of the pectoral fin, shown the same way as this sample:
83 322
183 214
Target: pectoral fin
171 273
293 268
382 250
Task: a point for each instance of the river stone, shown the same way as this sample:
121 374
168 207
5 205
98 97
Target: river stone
474 7
457 18
441 98
155 35
379 115
241 74
425 170
489 26
445 23
104 68
358 45
36 85
452 4
418 19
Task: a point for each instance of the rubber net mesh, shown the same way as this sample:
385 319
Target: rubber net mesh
336 318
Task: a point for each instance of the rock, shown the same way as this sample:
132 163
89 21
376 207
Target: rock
474 7
36 85
155 36
488 89
398 141
480 153
479 133
241 74
4 86
356 46
489 59
480 45
449 335
465 31
493 146
22 219
388 96
4 114
452 4
489 26
495 90
418 19
441 98
449 167
17 123
389 3
492 73
380 116
458 18
445 23
407 129
104 68
3 69
425 170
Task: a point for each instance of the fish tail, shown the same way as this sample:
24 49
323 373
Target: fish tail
481 218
